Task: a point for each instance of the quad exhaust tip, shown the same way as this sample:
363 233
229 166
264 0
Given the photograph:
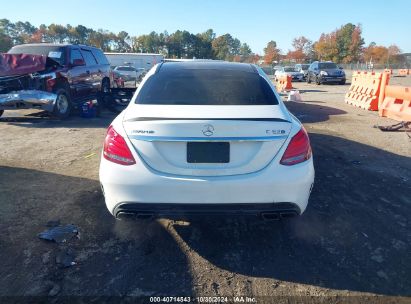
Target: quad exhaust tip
276 216
133 215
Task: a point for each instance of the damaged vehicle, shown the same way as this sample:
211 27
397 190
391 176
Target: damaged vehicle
52 77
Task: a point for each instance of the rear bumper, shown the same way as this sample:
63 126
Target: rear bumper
137 189
332 79
268 210
27 99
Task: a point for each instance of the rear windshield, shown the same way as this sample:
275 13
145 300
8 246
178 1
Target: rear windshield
206 87
327 65
130 69
289 69
305 66
57 53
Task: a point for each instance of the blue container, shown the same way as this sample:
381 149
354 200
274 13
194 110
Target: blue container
88 109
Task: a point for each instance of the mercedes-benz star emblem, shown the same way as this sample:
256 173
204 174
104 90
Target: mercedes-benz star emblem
208 130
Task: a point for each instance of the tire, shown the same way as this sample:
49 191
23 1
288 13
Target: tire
317 80
1 112
63 106
342 82
308 79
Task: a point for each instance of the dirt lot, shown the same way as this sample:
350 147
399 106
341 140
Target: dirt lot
353 240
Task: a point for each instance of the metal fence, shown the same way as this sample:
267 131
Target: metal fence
365 66
353 67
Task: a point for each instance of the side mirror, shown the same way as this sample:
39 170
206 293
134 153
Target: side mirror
78 62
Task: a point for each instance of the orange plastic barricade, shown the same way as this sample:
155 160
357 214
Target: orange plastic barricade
404 72
396 103
364 90
284 83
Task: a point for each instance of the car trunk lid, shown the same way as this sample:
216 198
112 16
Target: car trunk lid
163 135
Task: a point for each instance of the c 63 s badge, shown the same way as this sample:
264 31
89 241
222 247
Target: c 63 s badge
275 132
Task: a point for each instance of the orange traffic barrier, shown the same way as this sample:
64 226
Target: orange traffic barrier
284 83
371 91
404 72
395 102
365 90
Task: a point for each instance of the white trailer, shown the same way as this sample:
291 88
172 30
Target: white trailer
137 60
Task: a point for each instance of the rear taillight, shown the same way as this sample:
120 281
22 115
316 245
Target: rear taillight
298 150
116 149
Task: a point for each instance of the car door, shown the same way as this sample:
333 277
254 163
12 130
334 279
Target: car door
93 80
77 76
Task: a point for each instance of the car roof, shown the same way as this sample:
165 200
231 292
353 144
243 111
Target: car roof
55 44
207 65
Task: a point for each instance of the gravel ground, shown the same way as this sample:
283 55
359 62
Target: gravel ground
351 244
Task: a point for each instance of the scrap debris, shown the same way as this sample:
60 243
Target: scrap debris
405 125
59 233
66 258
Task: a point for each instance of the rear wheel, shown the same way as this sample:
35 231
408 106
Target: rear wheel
1 112
63 106
342 82
317 80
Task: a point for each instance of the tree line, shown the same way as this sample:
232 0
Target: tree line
180 44
344 45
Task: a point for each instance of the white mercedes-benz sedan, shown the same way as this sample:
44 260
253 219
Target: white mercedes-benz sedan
206 138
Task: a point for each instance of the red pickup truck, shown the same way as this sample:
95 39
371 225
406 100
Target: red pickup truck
52 77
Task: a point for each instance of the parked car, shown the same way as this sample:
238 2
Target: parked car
302 68
288 70
129 73
206 137
52 77
325 72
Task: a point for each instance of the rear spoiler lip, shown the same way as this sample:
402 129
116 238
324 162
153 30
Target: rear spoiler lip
204 118
206 139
